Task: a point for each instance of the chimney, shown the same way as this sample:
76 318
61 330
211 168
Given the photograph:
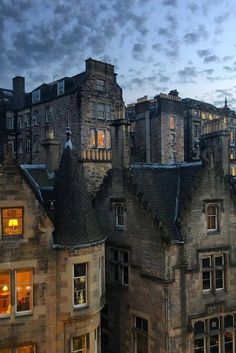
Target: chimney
214 148
120 153
174 93
18 84
51 151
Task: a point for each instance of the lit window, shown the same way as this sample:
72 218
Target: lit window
108 139
203 116
22 349
80 284
12 221
48 114
23 291
212 221
101 138
5 293
10 122
233 171
172 122
213 273
119 266
60 87
80 344
93 138
119 214
140 335
36 96
100 85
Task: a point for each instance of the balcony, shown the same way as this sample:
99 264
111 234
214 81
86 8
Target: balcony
96 154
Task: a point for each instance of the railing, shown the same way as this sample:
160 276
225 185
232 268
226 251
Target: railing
96 154
215 126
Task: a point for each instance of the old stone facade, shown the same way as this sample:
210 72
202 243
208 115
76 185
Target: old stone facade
51 287
86 102
170 252
157 129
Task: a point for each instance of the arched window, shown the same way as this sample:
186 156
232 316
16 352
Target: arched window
212 221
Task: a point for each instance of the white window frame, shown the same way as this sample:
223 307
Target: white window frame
212 270
86 285
10 122
60 87
100 85
118 206
36 118
48 115
211 216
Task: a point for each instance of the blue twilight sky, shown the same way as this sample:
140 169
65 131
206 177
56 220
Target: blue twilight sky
155 45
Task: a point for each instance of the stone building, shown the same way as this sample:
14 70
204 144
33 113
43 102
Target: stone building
170 260
157 129
51 260
196 114
86 102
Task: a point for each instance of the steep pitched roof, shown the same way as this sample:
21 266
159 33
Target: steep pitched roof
75 222
164 190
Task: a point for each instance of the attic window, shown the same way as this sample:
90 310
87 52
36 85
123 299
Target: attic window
36 96
60 87
12 221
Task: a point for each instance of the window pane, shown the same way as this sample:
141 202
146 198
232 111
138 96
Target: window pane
93 138
12 219
79 344
206 262
214 344
214 324
125 256
199 327
80 270
125 275
199 345
228 342
206 280
219 260
219 279
26 349
5 307
23 288
80 284
229 321
101 139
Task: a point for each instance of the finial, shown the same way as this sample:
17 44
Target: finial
68 138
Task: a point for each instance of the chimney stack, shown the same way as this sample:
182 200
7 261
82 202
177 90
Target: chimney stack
18 84
51 151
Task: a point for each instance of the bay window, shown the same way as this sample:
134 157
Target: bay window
80 284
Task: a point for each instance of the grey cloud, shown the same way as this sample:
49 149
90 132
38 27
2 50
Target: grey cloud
193 7
163 78
187 74
172 21
169 3
208 71
214 79
203 52
210 59
222 18
157 47
227 58
164 32
137 51
195 36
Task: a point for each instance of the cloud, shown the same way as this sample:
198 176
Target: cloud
210 59
164 32
187 74
193 7
169 3
163 78
208 71
195 36
137 51
204 52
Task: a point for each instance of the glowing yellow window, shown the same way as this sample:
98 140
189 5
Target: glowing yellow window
23 290
26 349
5 294
101 139
12 221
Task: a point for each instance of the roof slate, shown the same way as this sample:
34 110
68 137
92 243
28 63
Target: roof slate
164 189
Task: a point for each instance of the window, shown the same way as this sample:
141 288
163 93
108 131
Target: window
10 122
20 146
36 143
23 291
5 293
80 284
22 282
101 138
172 122
119 266
22 349
215 335
196 131
80 344
108 139
100 85
20 121
119 215
48 115
233 171
27 120
36 118
28 145
36 96
93 138
101 111
60 87
173 139
212 221
12 221
140 335
213 273
102 276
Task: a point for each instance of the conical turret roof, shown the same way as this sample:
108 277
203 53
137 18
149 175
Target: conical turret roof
75 220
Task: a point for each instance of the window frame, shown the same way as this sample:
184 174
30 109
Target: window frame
10 122
212 270
36 96
118 266
29 311
60 87
17 235
8 283
140 332
78 306
210 217
117 206
86 340
100 85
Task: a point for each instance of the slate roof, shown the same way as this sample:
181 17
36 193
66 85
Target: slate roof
164 189
75 220
190 103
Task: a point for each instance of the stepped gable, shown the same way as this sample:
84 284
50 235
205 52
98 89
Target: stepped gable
75 220
163 190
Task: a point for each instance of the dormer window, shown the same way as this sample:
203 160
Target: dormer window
36 96
100 85
60 87
12 221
